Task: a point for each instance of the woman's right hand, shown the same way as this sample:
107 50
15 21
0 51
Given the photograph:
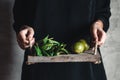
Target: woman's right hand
25 37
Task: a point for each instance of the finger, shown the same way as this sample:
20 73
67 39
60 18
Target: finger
22 37
22 45
94 33
31 43
30 34
102 38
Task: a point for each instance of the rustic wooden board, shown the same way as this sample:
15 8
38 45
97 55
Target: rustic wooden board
84 57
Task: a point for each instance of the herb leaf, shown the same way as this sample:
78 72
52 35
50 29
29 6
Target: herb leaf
49 47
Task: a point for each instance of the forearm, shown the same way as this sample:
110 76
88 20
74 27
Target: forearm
103 13
19 16
23 12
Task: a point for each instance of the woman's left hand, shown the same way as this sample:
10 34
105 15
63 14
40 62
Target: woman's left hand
99 35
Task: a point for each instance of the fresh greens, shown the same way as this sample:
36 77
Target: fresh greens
38 50
49 47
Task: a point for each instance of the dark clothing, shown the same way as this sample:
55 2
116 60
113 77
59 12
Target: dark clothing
66 21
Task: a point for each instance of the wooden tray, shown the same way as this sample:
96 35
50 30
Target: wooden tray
87 56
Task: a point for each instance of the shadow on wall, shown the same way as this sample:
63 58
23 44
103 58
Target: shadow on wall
5 40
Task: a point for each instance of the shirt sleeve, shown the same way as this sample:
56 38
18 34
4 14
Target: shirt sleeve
22 12
102 12
18 13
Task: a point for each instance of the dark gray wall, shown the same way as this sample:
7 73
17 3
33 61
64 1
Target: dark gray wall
11 56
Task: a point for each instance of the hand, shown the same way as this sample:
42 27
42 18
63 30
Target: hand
25 37
99 35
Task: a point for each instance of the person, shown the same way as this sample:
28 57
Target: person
66 21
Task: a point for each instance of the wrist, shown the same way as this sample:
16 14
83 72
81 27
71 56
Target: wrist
98 24
25 27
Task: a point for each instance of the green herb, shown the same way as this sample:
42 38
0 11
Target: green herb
38 50
49 47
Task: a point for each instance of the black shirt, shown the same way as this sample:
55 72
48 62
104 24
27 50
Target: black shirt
66 21
60 16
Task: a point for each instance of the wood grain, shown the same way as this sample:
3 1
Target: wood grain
84 57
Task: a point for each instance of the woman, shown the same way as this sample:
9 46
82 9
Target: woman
66 21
